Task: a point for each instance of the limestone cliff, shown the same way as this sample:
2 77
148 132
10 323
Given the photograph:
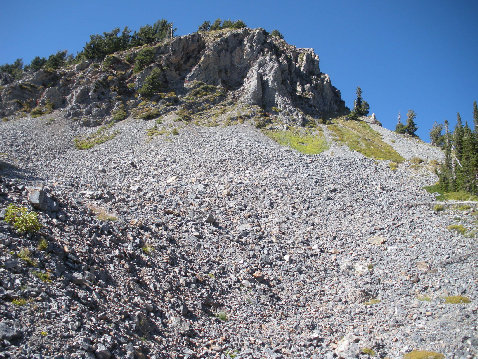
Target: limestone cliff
245 66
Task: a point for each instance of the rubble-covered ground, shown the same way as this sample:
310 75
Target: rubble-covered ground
218 242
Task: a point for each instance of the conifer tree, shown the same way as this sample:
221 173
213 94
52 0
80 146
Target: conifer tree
436 136
458 137
361 107
411 126
475 117
468 169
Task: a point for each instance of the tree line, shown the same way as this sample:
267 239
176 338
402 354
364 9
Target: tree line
99 46
459 171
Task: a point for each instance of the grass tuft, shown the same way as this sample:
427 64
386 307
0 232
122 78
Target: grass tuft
457 299
457 228
44 277
96 138
423 354
368 351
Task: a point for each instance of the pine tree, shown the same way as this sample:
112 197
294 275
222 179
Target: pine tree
446 179
361 107
400 127
468 167
475 117
436 136
458 137
411 126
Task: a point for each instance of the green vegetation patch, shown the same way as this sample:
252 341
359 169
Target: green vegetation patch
23 221
423 354
44 277
96 138
359 136
424 298
42 244
457 228
368 351
156 131
438 208
222 316
457 299
19 302
144 58
305 142
372 302
147 249
204 92
25 256
120 113
450 196
153 84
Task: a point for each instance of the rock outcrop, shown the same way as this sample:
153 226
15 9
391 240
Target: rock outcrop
249 65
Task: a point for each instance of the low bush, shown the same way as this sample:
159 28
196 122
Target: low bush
23 221
152 84
144 58
119 114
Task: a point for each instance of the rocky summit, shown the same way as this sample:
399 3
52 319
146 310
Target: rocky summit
178 223
251 66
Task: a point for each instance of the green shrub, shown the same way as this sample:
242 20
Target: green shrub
120 114
184 115
147 249
24 255
152 84
204 92
37 112
222 316
143 59
42 244
439 208
276 33
44 277
19 302
21 219
147 113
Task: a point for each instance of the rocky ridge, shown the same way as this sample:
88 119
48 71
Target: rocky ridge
246 66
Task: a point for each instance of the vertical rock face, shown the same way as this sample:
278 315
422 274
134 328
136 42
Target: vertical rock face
252 66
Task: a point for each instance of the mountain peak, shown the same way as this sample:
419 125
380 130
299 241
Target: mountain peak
248 66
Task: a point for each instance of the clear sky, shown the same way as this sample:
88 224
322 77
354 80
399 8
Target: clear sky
407 54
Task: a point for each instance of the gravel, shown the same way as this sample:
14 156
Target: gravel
226 244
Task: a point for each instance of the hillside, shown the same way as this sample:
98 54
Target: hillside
182 229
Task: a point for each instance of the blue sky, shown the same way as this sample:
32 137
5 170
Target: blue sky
408 54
